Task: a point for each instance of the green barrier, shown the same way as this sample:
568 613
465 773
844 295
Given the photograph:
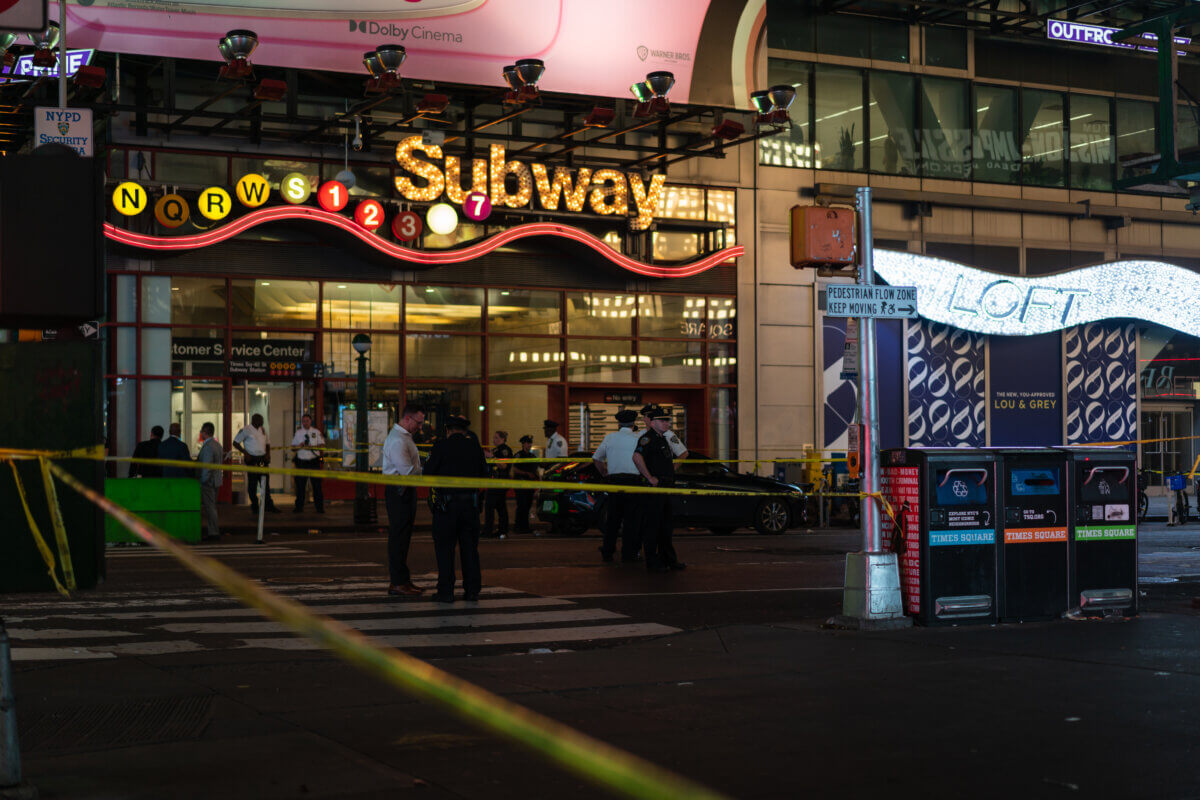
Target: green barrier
171 504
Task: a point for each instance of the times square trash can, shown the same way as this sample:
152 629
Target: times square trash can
945 503
1103 484
1034 557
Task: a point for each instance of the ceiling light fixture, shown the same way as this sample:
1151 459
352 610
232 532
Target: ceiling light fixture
383 63
235 47
772 104
651 94
45 41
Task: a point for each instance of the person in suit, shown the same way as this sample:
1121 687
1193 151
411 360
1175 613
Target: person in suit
147 449
210 480
456 511
173 448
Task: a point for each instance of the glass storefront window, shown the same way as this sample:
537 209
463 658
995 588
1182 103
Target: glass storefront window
198 301
670 362
795 147
1091 142
361 306
672 316
191 404
889 40
997 157
126 351
840 125
443 308
191 169
1136 135
341 404
722 424
513 358
441 355
946 133
599 361
523 311
197 351
383 359
1187 128
274 303
519 410
722 318
893 120
722 363
675 245
439 402
274 170
722 207
682 202
600 314
1042 149
946 47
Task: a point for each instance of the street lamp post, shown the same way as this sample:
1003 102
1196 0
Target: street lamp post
364 504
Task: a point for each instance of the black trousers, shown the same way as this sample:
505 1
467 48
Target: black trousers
401 510
252 479
524 503
457 526
495 503
302 482
658 530
622 519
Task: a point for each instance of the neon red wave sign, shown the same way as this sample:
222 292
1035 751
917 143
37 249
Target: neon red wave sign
436 258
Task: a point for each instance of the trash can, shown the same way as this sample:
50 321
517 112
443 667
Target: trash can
1104 530
1034 551
945 503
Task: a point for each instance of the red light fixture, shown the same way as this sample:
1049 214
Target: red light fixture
600 117
91 76
728 129
269 89
433 103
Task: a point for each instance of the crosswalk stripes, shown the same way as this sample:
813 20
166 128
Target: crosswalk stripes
147 623
234 552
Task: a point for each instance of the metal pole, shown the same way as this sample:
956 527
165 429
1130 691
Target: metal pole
262 505
868 390
62 53
363 509
10 748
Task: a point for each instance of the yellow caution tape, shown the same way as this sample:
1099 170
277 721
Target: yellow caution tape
607 766
56 520
43 548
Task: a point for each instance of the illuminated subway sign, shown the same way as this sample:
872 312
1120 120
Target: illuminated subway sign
985 302
605 191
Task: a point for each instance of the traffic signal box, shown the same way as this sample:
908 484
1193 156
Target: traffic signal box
822 237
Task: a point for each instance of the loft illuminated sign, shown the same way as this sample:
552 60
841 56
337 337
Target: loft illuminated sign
604 191
985 302
1063 31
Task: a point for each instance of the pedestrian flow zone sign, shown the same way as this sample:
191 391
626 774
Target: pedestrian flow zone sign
882 302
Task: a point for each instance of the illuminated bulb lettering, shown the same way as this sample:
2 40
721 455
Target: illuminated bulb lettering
435 181
647 202
573 195
610 195
500 169
479 179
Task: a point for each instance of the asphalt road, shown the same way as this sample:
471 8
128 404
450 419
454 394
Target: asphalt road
156 686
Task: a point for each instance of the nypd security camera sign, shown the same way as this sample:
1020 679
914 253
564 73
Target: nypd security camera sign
69 126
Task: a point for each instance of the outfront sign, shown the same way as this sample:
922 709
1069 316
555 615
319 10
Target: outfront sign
881 302
67 126
1008 305
1060 30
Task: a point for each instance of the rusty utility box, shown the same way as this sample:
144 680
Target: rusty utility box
822 237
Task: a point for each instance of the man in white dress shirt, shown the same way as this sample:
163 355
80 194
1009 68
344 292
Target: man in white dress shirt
556 445
614 460
306 438
400 457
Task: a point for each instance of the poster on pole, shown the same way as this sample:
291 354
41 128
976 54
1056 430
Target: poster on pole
377 429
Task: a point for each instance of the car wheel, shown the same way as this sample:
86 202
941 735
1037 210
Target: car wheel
772 516
722 531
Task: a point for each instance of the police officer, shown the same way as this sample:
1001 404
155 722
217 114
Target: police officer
496 500
524 496
455 512
307 458
653 459
556 445
677 447
614 460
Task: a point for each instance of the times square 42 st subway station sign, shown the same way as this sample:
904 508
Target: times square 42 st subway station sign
605 191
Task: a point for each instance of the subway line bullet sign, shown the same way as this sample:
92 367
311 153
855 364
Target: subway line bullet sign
882 302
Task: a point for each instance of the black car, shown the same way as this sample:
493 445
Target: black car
774 507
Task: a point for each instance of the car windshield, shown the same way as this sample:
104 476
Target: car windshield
689 467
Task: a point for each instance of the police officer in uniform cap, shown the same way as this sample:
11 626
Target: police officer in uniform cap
556 444
614 460
654 460
524 496
455 511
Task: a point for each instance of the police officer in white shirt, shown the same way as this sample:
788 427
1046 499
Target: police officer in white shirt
255 448
400 457
306 438
614 460
556 445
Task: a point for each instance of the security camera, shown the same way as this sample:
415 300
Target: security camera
357 142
